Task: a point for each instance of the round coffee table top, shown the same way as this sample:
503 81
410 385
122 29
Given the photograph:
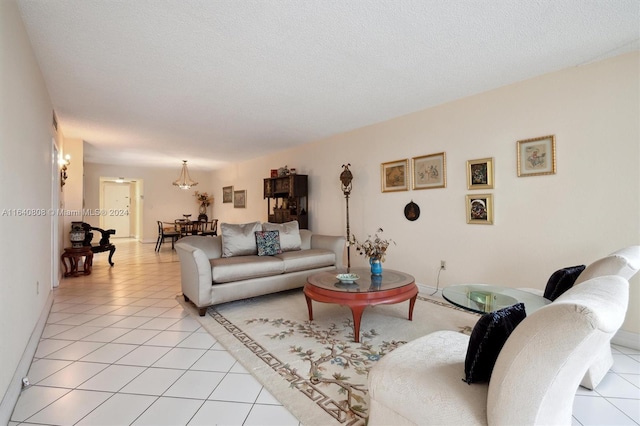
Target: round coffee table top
365 283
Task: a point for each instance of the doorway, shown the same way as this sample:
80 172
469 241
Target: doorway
116 208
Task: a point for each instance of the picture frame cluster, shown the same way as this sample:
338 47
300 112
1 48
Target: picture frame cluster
238 198
479 207
427 172
535 157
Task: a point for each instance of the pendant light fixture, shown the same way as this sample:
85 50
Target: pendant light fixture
185 181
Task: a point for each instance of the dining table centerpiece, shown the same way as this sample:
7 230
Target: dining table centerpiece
375 249
204 199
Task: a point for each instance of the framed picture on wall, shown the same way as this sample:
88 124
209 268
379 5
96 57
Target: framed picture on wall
537 156
227 194
430 171
480 209
480 174
240 199
395 176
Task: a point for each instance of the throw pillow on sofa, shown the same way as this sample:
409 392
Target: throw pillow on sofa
289 234
239 239
487 339
268 243
561 281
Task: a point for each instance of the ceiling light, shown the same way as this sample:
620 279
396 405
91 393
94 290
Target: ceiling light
185 181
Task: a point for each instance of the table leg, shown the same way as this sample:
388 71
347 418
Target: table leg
357 316
309 307
74 266
88 263
64 264
412 303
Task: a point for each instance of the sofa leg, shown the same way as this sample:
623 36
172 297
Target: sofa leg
202 311
186 299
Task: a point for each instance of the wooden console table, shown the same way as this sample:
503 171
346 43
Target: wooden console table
73 255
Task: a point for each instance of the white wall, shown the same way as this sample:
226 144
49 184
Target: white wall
588 209
25 153
160 199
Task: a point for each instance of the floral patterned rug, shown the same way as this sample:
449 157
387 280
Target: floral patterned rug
313 367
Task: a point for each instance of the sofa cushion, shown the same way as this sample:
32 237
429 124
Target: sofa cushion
268 243
228 269
307 259
561 281
289 234
487 339
239 239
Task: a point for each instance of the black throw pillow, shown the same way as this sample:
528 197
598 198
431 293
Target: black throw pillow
561 281
487 339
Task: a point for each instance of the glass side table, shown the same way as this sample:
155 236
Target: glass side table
483 298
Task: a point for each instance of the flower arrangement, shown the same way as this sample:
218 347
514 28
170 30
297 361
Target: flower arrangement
203 198
373 247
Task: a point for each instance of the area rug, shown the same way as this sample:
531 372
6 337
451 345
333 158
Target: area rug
314 368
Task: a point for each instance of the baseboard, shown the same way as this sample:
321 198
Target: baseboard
426 290
622 337
15 386
627 339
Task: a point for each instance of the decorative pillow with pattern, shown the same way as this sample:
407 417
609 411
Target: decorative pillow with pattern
268 243
487 339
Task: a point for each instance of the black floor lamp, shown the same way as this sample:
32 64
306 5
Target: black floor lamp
345 178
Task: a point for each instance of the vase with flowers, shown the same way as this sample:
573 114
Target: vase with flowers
204 200
374 248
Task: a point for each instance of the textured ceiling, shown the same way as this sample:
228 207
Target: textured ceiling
153 82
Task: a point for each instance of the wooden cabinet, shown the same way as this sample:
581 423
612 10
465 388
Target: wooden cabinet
289 197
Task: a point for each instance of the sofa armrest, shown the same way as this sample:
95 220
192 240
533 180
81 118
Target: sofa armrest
195 273
333 243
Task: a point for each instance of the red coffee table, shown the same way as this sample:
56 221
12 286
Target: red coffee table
368 290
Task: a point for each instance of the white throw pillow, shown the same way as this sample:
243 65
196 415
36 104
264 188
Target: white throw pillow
289 234
239 239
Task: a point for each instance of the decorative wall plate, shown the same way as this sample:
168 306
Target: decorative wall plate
412 211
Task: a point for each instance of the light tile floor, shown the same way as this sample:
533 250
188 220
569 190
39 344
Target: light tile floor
119 350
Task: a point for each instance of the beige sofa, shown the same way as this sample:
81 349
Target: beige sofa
216 269
534 379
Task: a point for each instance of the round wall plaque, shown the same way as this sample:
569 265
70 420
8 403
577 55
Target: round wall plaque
411 211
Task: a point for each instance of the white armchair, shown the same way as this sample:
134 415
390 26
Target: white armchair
624 263
535 376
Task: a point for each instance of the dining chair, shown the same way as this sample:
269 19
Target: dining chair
184 227
209 228
165 233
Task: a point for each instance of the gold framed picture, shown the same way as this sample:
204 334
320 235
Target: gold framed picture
227 194
537 156
480 173
395 176
430 171
480 209
240 199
